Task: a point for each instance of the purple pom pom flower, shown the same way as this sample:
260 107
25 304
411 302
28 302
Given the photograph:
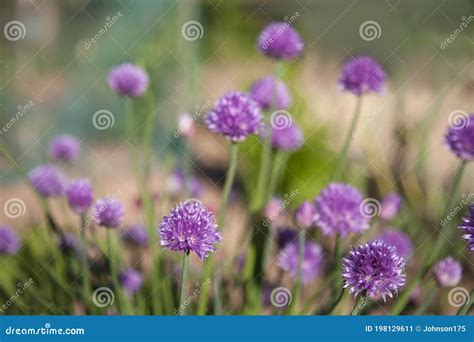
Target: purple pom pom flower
304 215
9 241
362 75
374 270
128 80
190 227
136 234
312 261
79 195
399 240
47 180
64 147
108 212
448 272
467 228
279 40
287 138
263 91
235 116
338 210
460 136
131 281
390 206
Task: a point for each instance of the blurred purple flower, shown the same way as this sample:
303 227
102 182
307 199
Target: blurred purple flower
131 281
128 80
108 212
391 204
64 147
79 195
460 137
373 269
285 236
362 74
70 243
467 228
177 182
287 138
274 208
304 215
47 180
263 91
9 240
448 272
312 261
399 240
136 234
279 40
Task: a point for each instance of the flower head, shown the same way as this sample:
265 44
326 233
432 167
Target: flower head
190 227
287 138
391 204
128 80
79 195
337 210
312 260
460 137
399 240
136 234
235 116
467 228
373 269
362 75
64 147
131 280
279 40
9 241
108 212
304 215
273 208
448 272
47 180
286 236
271 94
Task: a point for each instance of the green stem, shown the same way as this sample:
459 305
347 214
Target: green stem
427 302
184 280
265 164
299 271
279 164
86 288
345 150
464 310
360 304
113 268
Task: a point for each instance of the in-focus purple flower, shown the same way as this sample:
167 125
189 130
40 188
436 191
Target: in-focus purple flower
136 234
190 227
337 210
9 241
399 240
131 280
448 272
312 261
279 40
286 236
79 195
271 94
390 206
235 116
361 75
108 212
460 137
128 80
304 215
467 228
373 269
287 138
47 180
64 147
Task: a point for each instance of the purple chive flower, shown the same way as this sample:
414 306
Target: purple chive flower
337 210
304 215
79 195
190 227
362 75
285 236
264 93
47 180
312 261
460 137
287 138
399 240
131 280
448 272
108 212
235 116
279 40
373 269
9 241
467 228
390 206
128 80
274 208
136 234
70 243
64 147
